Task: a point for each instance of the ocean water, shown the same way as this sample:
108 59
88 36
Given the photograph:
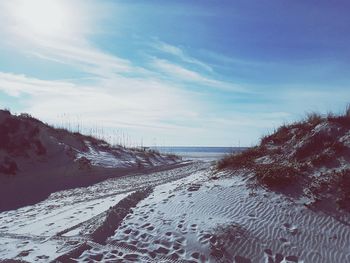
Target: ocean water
200 153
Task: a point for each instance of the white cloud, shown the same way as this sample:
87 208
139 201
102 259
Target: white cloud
70 46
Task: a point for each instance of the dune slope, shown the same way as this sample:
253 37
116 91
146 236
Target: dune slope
308 159
37 159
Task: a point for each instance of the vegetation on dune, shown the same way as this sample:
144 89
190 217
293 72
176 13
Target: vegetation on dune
317 144
16 142
18 137
343 180
276 175
24 137
244 159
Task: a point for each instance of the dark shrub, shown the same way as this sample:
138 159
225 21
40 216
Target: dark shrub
314 145
322 159
244 159
343 120
338 148
8 129
347 111
343 178
276 175
282 135
6 111
313 118
301 128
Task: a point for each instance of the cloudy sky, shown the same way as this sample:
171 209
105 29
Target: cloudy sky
211 73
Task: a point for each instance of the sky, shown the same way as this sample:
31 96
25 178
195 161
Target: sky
175 73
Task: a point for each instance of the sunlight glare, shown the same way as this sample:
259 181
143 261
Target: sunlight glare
42 17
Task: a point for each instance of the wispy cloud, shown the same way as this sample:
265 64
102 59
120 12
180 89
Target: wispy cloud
15 85
120 101
181 73
85 57
178 52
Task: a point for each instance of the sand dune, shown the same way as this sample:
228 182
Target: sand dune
37 160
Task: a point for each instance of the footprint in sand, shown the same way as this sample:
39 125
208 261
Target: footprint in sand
180 240
292 259
97 257
127 231
194 227
128 216
278 258
42 257
176 246
145 225
24 253
162 250
194 187
150 228
195 255
240 259
135 233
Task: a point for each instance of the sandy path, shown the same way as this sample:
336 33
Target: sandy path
48 229
186 218
196 220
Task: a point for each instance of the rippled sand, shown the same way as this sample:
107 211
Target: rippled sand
188 218
196 220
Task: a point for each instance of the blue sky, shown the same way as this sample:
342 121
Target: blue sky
215 73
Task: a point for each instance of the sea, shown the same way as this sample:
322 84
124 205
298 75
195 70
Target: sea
199 153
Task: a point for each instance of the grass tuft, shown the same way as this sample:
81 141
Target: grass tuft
314 118
241 160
